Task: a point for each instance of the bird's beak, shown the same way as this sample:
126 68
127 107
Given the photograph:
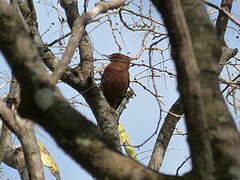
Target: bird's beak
132 58
108 56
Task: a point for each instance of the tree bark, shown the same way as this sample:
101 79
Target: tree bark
218 127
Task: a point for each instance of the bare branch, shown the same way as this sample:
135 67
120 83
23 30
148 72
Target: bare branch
83 81
24 130
189 84
15 159
165 135
182 164
77 32
125 100
226 12
208 55
222 19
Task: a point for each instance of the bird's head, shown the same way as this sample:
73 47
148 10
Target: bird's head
118 57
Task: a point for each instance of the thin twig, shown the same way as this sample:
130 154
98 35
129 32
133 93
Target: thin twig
231 17
229 84
182 165
57 40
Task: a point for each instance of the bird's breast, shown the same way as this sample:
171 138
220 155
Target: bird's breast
114 83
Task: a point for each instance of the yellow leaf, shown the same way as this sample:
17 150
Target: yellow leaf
124 139
48 161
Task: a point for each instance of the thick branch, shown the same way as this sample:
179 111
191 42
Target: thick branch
33 162
175 113
225 141
189 86
77 32
10 156
5 136
165 134
222 20
30 148
15 159
24 130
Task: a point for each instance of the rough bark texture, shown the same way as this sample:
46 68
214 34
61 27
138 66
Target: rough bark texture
222 20
219 127
189 87
165 134
15 159
168 127
223 135
25 132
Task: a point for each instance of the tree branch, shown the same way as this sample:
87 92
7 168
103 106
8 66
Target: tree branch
88 86
78 28
165 136
15 159
222 19
226 4
81 78
10 156
224 136
189 86
25 132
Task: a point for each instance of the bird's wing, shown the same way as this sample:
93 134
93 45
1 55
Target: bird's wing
106 71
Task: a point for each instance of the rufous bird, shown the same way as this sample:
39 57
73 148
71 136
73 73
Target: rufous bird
115 79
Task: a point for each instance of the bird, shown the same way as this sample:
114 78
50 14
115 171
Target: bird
115 79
